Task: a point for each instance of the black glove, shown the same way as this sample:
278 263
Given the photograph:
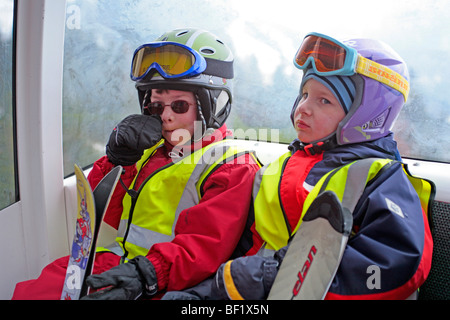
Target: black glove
127 281
131 137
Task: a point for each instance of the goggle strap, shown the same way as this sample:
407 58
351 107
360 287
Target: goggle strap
382 74
217 68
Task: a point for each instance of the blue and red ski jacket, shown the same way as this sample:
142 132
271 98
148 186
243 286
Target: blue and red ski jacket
400 246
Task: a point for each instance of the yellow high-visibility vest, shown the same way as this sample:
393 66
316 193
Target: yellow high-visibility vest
150 215
348 182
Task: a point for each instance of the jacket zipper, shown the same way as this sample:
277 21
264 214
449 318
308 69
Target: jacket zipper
134 194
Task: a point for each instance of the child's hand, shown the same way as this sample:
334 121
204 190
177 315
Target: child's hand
131 137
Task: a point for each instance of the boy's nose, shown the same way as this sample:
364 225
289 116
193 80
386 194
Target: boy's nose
167 114
303 107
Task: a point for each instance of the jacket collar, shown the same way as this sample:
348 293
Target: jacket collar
215 136
315 147
384 147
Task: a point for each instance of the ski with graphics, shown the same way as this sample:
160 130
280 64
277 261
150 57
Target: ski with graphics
92 206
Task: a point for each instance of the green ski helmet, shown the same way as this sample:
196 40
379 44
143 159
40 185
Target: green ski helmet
208 73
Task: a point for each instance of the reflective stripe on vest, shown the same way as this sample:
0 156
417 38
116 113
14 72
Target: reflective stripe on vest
348 182
161 198
426 191
270 220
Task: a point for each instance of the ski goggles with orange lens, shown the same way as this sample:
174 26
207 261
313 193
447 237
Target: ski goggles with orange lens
169 59
328 57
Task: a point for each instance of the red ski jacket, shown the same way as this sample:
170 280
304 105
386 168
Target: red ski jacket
206 234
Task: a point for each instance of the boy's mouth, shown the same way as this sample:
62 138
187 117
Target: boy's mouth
301 124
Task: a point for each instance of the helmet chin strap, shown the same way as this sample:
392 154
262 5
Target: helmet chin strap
202 119
220 103
316 147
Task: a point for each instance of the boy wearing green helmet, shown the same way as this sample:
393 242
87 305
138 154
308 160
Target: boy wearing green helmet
182 202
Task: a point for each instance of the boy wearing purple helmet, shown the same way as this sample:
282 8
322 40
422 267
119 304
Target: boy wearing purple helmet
350 95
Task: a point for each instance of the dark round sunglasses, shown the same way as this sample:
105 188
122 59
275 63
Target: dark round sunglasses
157 107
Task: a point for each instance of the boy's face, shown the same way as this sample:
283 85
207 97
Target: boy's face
318 113
177 128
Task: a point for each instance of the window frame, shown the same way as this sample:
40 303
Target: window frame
12 76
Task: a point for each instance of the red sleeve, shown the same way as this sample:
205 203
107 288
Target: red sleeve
100 169
206 234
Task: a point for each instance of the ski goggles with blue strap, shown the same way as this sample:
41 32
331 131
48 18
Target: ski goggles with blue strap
171 60
328 56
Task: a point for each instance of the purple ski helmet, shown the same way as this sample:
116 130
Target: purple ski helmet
371 106
376 105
